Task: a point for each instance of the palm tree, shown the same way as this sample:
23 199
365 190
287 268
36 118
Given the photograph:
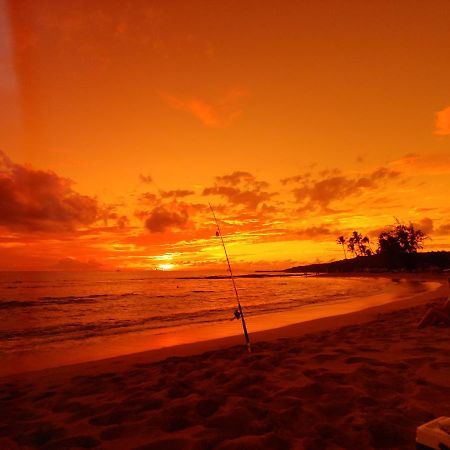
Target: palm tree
341 241
351 245
355 243
363 248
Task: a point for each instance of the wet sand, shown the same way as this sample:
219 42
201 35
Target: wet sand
359 380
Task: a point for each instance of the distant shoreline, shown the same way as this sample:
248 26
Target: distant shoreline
424 262
433 263
299 274
258 274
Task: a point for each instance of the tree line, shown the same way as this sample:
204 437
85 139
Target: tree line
399 240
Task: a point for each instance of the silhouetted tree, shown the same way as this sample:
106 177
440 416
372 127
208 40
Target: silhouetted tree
351 246
341 241
364 246
352 243
359 244
400 244
401 239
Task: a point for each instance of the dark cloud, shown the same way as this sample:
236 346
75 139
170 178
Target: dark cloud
148 197
147 179
111 218
164 211
315 232
176 193
37 200
426 225
162 218
318 233
72 264
249 198
444 229
120 221
123 221
318 194
235 178
241 188
297 178
425 209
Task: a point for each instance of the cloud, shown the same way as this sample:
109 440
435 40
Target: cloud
426 225
161 219
148 197
318 194
297 178
121 221
249 198
444 229
442 124
146 179
73 264
176 193
235 178
167 211
37 200
241 188
216 114
314 233
431 164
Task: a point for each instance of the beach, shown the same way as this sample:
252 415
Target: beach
365 379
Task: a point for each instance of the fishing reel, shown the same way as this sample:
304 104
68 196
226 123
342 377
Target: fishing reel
236 314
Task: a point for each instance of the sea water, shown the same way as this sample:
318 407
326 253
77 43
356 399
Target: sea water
53 318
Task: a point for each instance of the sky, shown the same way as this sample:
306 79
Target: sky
298 121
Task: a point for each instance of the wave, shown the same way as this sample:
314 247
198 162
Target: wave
99 311
45 301
78 330
11 304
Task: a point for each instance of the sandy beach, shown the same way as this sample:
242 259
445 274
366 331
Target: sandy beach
359 380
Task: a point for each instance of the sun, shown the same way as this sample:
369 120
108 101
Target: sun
165 266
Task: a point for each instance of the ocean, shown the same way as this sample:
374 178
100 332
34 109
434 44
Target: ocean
53 318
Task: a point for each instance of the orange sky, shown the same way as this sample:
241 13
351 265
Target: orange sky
299 121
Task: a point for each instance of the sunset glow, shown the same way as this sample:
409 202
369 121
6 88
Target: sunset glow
121 122
224 224
167 266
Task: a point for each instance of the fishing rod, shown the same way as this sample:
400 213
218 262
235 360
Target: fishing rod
239 310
